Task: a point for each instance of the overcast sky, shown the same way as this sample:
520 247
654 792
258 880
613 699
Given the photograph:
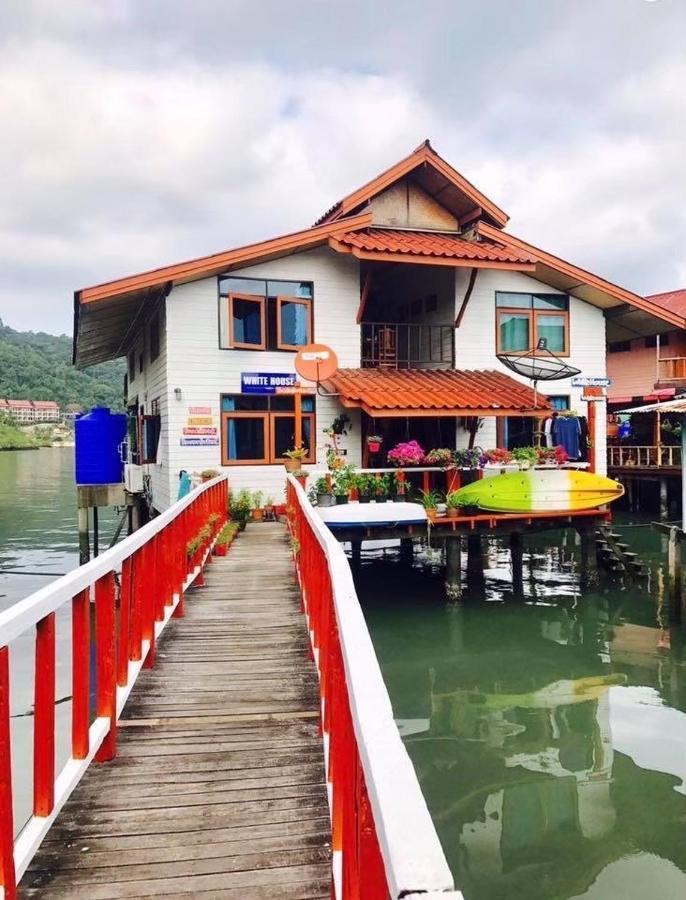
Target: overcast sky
136 133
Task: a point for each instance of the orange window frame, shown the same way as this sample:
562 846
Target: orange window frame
533 316
302 301
253 298
263 461
310 458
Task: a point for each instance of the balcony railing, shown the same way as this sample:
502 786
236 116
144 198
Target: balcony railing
643 457
672 369
396 345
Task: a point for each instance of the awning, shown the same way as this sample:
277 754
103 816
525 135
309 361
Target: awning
424 392
667 406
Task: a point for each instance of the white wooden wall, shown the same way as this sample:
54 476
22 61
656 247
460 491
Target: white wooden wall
475 344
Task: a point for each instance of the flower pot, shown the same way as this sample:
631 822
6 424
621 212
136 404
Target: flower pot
341 499
364 498
452 512
220 549
373 446
291 465
258 515
325 500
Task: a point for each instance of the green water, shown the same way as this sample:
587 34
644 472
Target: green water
548 733
38 540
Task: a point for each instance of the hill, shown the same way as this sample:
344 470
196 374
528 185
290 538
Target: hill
37 366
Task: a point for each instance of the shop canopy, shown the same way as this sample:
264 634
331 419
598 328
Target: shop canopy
385 393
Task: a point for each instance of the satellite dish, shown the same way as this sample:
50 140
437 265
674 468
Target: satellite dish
539 364
315 362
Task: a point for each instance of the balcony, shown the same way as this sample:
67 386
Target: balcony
672 369
646 457
393 345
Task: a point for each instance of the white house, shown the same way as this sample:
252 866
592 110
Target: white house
414 282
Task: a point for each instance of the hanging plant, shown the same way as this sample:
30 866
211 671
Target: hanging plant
374 442
409 453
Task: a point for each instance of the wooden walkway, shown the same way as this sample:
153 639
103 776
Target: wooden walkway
217 790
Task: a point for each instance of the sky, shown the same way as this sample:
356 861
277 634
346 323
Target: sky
139 133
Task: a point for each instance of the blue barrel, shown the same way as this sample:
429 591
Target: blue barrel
98 436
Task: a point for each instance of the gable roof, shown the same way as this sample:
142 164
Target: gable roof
435 176
674 301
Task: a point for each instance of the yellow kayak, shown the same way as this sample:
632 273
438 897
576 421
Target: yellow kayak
541 490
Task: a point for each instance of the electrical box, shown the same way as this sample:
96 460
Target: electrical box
133 478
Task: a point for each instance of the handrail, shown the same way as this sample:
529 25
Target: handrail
147 573
384 841
644 456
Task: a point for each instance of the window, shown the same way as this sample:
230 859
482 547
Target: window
619 347
522 320
559 401
264 315
150 428
154 337
257 430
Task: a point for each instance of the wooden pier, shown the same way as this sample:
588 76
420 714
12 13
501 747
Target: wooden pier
219 778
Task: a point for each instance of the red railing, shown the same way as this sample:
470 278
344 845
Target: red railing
144 577
384 842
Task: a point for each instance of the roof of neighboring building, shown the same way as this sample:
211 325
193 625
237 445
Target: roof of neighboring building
403 392
374 243
675 301
20 404
45 404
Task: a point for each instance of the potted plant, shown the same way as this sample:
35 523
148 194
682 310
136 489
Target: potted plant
208 474
499 456
452 502
365 487
525 456
468 457
397 486
295 458
430 501
268 510
257 511
408 453
239 508
339 426
322 492
442 456
380 487
341 484
374 442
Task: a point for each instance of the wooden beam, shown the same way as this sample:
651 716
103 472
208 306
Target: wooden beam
364 295
416 259
467 295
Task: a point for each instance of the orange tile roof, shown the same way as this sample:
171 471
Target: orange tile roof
425 244
675 301
402 392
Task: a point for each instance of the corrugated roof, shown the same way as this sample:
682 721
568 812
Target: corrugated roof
667 406
451 391
675 301
427 244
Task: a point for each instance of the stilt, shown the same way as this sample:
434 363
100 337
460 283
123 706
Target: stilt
517 555
475 569
84 540
589 560
664 500
356 552
453 568
406 551
674 597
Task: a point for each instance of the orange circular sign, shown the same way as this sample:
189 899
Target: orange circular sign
315 362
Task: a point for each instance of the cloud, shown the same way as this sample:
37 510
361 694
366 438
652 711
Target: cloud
134 136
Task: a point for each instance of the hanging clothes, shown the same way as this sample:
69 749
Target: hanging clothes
583 438
568 435
550 430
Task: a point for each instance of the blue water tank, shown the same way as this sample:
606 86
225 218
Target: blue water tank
99 435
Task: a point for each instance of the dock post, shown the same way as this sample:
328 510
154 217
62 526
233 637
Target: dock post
453 568
356 548
674 571
517 556
476 582
84 539
589 559
406 551
664 500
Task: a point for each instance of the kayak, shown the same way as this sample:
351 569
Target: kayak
361 515
541 490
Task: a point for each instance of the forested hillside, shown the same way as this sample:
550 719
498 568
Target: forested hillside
37 366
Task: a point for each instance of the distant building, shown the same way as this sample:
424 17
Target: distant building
46 411
21 411
72 411
28 412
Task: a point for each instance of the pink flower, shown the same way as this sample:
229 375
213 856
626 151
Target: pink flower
406 454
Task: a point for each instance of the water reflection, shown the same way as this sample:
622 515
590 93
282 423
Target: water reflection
548 733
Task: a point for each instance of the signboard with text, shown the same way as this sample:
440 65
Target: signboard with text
267 382
591 381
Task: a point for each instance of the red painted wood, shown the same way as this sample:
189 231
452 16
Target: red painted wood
373 884
136 612
123 647
80 674
105 647
7 873
149 599
44 718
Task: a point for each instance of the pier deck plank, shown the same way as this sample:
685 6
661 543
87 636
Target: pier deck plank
218 786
